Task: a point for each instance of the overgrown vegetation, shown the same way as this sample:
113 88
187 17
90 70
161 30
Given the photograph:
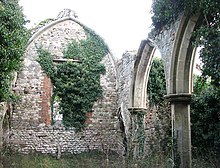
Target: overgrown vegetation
13 39
165 12
85 160
77 84
93 159
205 118
205 115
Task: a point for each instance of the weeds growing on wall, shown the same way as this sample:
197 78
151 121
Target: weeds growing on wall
77 84
13 39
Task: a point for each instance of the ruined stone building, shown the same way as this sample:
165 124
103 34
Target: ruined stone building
31 128
124 88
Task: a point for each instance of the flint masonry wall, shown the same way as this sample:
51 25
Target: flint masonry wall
125 73
31 128
101 130
164 41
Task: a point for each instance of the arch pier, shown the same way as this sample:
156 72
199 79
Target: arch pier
137 135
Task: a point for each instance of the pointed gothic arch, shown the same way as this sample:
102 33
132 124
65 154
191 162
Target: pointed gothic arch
178 66
141 72
182 56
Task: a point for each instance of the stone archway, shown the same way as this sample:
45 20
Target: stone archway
141 72
175 45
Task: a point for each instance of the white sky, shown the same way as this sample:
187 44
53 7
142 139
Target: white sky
122 23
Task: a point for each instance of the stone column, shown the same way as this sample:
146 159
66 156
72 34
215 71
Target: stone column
180 109
137 136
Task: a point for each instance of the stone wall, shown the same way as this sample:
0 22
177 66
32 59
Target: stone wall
48 139
164 41
3 110
125 74
101 131
31 129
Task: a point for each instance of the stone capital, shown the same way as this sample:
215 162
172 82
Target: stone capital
179 97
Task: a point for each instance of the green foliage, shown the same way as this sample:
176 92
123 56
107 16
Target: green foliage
77 84
46 62
44 22
205 114
208 37
156 84
92 159
166 12
13 39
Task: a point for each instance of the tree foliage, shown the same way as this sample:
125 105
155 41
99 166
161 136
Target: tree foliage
205 118
165 12
77 84
13 38
208 37
156 83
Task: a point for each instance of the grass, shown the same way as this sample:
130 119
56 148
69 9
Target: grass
93 159
84 160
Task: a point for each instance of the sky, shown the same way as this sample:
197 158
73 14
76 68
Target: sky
121 23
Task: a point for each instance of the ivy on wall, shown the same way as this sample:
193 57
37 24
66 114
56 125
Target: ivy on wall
165 12
77 84
13 39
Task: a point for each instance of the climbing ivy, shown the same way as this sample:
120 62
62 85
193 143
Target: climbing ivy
77 84
165 12
13 39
